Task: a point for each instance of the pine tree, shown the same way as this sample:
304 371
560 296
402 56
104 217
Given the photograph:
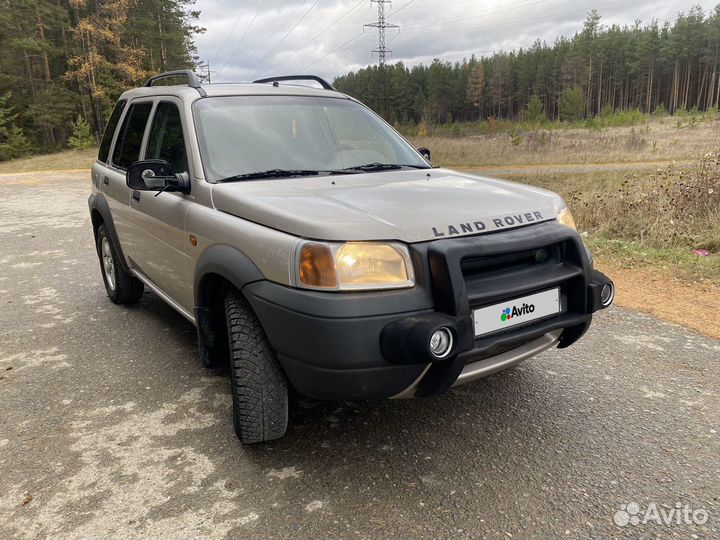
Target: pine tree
81 138
476 86
572 104
13 143
535 109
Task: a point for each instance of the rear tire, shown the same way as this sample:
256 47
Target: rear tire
121 287
259 386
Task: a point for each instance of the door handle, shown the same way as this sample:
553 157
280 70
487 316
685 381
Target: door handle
136 195
106 180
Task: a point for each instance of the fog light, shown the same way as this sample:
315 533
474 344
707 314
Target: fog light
607 294
441 342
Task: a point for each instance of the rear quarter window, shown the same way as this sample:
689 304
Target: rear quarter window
127 146
110 128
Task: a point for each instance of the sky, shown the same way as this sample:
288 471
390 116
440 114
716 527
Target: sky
249 39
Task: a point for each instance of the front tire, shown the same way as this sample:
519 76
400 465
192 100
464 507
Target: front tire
121 287
259 386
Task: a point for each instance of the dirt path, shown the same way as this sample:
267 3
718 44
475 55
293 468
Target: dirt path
657 293
570 167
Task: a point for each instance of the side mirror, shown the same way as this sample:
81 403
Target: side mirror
156 175
424 152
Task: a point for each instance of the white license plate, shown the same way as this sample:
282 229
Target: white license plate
518 311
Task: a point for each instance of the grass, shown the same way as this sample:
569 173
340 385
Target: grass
649 218
679 263
645 191
657 140
61 161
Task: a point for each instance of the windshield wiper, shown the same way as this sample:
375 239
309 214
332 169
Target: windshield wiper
272 173
369 167
284 173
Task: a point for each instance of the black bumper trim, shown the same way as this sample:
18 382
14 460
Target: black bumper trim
346 345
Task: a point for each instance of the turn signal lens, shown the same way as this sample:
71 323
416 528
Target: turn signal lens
354 266
317 267
369 265
566 218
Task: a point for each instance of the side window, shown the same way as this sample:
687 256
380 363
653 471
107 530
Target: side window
166 139
110 131
127 146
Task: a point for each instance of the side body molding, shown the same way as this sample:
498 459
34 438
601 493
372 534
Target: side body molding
98 205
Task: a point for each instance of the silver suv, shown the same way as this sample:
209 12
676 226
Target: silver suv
313 246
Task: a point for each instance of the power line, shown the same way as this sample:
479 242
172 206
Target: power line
206 74
316 35
260 5
513 23
277 30
445 4
406 4
232 29
481 15
348 42
288 32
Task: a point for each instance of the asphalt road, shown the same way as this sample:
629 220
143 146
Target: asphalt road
109 426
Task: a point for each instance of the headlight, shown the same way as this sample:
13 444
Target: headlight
353 266
566 218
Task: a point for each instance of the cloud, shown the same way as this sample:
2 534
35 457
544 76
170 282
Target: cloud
247 39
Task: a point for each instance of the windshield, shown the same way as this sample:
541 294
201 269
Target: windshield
246 134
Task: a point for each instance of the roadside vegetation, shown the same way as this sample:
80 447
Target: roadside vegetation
616 138
59 161
666 219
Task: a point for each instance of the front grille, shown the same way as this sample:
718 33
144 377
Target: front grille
468 273
506 276
507 262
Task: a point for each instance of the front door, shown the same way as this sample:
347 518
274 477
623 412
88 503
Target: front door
126 151
162 243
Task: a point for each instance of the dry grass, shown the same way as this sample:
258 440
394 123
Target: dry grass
658 140
674 206
647 219
61 161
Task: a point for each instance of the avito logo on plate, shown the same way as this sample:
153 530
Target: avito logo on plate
509 313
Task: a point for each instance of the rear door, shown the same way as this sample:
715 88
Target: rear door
161 241
126 150
100 177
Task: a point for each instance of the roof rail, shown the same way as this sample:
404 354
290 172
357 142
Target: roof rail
326 85
193 81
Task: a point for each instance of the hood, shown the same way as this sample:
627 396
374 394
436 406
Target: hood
409 206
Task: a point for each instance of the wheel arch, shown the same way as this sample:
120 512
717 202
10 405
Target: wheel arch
100 214
219 268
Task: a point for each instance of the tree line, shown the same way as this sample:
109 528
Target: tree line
600 69
63 63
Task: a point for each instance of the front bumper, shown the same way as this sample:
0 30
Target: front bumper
374 345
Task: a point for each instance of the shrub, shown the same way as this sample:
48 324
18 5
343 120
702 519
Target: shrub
535 110
572 104
13 144
81 138
677 206
660 110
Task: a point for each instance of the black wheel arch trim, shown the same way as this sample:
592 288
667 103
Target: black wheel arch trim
98 203
227 262
234 267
